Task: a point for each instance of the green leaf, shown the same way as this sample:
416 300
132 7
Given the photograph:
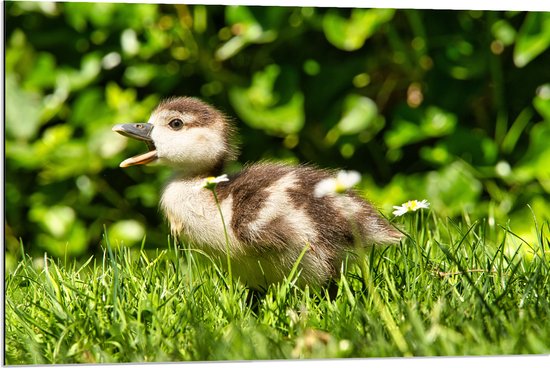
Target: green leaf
415 125
350 34
404 133
129 42
89 103
239 14
278 111
22 110
72 244
453 189
360 114
119 99
438 122
542 101
470 145
56 220
140 75
247 30
533 38
102 14
43 73
504 32
534 165
127 232
105 144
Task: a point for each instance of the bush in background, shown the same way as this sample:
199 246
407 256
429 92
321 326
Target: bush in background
452 106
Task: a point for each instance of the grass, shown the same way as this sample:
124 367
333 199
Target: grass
451 288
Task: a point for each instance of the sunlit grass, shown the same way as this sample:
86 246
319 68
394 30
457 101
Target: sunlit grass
450 288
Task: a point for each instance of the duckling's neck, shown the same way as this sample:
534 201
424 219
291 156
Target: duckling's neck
197 172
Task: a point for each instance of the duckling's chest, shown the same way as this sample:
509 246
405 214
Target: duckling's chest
191 211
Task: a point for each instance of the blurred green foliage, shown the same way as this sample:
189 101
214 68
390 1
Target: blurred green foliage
452 106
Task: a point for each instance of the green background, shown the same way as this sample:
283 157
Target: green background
450 106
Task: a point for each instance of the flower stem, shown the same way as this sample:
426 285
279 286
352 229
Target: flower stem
227 250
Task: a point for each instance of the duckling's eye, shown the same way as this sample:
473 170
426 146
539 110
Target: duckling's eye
176 124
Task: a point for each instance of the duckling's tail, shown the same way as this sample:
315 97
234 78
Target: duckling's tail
388 235
380 231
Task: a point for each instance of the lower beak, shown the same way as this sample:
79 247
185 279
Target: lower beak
142 132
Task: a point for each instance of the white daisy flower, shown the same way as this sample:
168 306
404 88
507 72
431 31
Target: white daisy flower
343 181
211 181
410 206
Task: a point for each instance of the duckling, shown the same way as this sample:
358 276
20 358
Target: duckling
270 209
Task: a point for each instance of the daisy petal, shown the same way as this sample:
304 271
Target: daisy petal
410 206
343 181
325 187
211 182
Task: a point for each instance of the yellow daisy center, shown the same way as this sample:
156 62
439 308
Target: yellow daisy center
412 205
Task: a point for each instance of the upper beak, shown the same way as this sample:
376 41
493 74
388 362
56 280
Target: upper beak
142 132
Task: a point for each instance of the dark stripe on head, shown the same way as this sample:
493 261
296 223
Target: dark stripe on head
204 113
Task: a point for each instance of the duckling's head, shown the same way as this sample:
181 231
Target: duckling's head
186 134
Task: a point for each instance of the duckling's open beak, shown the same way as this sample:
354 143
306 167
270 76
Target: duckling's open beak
142 132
